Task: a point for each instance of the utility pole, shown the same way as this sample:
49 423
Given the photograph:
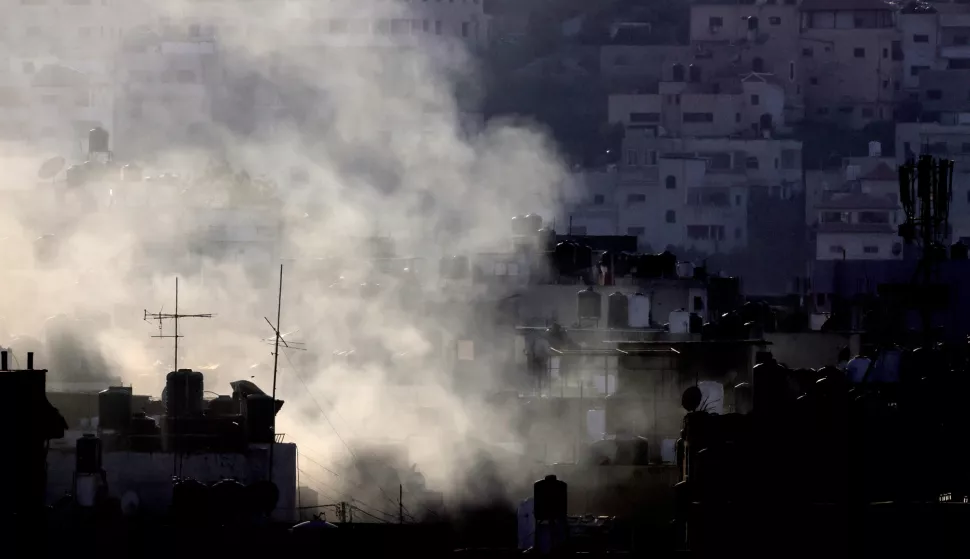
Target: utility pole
400 504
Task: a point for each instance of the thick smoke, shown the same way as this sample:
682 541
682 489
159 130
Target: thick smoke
330 147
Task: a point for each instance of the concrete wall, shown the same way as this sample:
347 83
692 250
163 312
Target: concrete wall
149 475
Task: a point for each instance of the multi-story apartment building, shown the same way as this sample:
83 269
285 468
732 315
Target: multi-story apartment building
852 54
693 152
161 61
729 37
855 212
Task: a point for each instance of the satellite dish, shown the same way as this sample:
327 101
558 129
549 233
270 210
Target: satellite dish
51 167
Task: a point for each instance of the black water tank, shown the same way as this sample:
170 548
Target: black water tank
190 499
141 424
959 251
694 72
114 408
565 257
184 393
259 411
222 406
667 261
131 173
547 237
519 225
532 224
696 324
98 140
550 498
618 311
678 72
589 304
262 496
88 455
459 267
76 175
227 498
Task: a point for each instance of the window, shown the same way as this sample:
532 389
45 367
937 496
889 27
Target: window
837 249
650 157
599 199
465 28
807 52
915 70
426 26
751 163
960 40
867 112
921 38
870 249
934 94
437 27
755 100
698 232
698 117
635 231
670 182
834 217
965 147
774 20
635 198
737 199
644 117
873 217
859 52
671 216
813 81
885 53
632 157
715 22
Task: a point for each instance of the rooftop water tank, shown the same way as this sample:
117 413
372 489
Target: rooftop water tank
550 498
618 311
589 304
98 140
114 408
639 312
685 270
88 455
679 322
532 224
184 391
131 173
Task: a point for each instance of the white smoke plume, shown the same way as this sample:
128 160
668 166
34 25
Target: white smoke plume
348 143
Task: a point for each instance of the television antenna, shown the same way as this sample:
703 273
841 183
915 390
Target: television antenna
277 339
175 317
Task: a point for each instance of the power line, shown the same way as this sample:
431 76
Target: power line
336 432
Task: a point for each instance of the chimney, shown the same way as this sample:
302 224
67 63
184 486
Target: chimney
30 360
3 360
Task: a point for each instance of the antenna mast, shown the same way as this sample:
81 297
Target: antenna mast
160 317
278 338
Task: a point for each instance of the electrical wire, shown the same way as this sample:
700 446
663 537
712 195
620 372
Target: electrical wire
337 433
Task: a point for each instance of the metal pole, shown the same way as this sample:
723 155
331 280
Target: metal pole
276 359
